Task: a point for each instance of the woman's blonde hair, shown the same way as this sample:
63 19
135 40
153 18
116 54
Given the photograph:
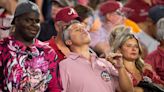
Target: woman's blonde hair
119 36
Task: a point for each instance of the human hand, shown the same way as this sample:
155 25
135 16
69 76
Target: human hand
116 59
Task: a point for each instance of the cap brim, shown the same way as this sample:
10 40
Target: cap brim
79 19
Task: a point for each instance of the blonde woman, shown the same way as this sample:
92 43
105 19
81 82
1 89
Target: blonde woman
124 42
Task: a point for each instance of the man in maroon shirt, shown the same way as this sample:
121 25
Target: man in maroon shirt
63 17
156 58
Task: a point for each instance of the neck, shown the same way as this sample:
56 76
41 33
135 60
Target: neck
18 37
60 44
129 64
82 50
59 40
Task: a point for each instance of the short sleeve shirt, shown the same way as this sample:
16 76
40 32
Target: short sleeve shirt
81 75
25 67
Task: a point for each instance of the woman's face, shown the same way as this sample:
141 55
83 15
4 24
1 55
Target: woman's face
130 49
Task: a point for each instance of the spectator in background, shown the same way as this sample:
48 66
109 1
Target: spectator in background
7 8
24 60
99 74
40 5
140 15
116 15
47 28
140 9
156 12
9 5
128 45
156 58
63 17
111 17
5 23
95 3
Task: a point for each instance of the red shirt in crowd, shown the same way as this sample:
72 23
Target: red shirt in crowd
156 59
55 73
140 9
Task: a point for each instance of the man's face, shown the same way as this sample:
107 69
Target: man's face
28 25
114 18
78 34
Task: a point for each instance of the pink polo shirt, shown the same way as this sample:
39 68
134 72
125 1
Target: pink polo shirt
80 75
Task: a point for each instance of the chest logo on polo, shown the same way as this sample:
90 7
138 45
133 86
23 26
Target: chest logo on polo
105 76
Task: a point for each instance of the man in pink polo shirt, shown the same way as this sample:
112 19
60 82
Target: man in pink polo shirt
83 71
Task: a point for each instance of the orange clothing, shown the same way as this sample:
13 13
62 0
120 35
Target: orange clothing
133 25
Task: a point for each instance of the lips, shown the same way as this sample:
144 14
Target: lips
133 53
34 31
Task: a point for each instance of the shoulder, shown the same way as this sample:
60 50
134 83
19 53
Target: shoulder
43 45
48 50
65 61
4 43
107 63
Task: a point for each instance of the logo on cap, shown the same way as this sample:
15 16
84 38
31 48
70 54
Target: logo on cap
105 76
72 11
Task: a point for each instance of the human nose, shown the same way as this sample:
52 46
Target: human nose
134 48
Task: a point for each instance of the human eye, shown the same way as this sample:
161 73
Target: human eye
37 20
76 30
28 20
136 46
128 45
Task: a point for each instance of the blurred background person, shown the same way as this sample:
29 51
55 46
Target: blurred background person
140 15
9 5
47 27
110 17
156 58
7 8
5 23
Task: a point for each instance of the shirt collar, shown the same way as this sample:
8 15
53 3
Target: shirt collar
75 56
